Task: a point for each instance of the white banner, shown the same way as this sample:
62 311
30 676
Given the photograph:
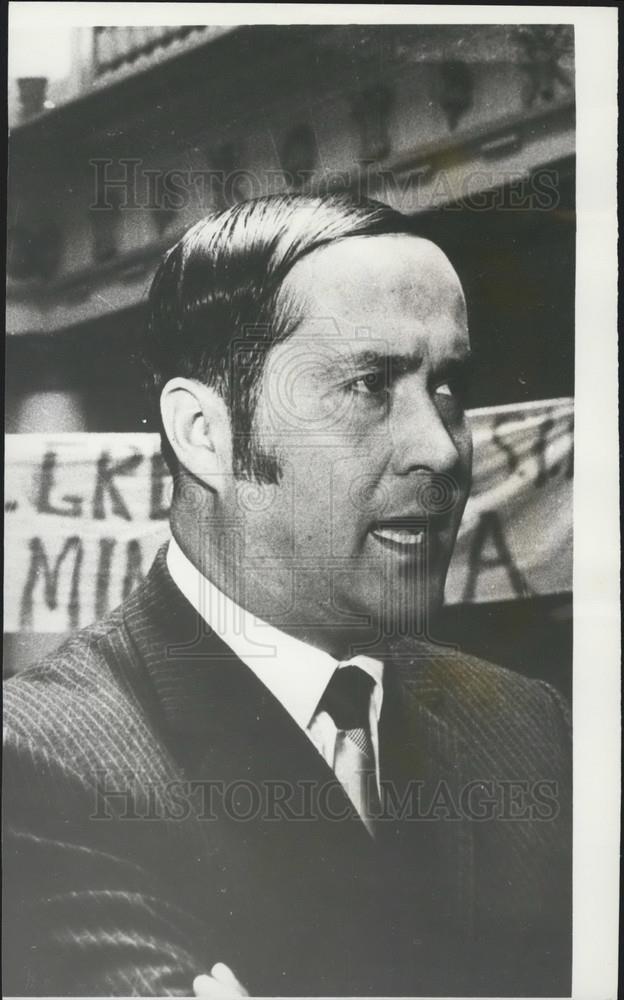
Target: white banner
85 514
516 535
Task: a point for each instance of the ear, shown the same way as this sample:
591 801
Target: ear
197 424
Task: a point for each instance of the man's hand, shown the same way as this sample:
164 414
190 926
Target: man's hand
221 983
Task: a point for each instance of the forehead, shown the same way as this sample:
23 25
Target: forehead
400 291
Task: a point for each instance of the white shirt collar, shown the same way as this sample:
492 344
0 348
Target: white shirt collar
295 672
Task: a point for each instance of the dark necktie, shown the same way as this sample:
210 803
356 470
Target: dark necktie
347 700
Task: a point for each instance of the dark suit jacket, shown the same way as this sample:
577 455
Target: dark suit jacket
163 812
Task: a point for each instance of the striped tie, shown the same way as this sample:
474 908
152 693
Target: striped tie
347 700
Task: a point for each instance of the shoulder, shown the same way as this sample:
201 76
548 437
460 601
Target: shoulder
499 690
496 689
503 712
73 705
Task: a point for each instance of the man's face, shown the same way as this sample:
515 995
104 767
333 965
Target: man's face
363 405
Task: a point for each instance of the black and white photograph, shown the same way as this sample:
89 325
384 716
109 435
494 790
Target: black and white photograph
311 633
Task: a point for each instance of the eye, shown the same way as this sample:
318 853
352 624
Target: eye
454 388
372 384
451 397
445 389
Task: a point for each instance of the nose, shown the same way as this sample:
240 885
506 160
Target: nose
421 439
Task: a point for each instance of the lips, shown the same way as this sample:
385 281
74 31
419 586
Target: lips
399 536
400 533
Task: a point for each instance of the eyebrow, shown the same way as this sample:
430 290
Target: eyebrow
403 364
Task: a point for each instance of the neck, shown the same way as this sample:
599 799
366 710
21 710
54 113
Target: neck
280 597
286 599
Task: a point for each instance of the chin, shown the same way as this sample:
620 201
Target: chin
401 617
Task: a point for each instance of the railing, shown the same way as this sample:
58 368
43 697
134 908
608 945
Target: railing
119 48
102 56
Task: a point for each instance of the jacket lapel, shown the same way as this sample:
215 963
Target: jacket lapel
289 855
214 713
296 852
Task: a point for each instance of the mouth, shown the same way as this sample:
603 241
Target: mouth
400 535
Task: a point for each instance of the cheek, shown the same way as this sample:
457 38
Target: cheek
335 495
293 517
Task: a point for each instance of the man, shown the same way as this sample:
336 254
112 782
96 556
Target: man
261 764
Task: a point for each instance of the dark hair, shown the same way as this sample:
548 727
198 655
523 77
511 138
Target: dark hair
212 308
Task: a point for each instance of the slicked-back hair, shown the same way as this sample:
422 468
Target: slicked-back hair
213 310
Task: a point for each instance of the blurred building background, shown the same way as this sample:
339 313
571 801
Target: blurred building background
121 137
